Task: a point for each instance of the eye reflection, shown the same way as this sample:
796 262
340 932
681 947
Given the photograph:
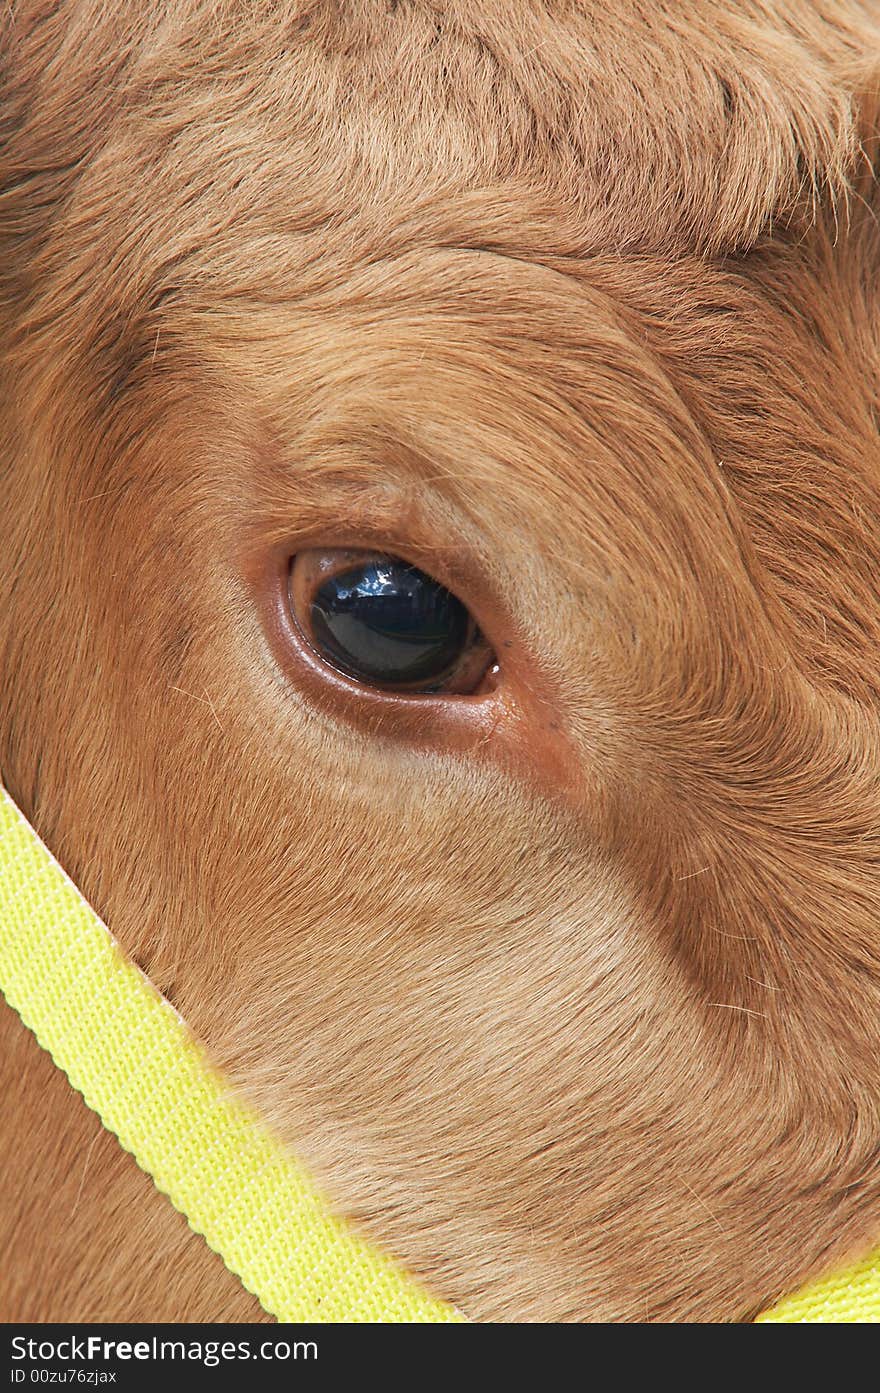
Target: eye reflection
384 622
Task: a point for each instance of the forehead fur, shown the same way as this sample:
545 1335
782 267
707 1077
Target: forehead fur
683 127
222 152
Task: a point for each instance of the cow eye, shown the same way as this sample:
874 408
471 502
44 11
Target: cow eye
387 624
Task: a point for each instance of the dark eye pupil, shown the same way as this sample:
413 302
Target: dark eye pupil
386 622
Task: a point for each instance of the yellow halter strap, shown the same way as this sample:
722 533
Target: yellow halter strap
131 1057
125 1049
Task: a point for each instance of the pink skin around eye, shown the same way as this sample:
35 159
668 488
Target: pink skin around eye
513 719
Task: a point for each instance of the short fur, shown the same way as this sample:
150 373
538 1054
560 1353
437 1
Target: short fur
575 304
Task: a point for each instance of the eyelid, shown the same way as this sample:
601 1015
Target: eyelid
519 724
341 510
472 669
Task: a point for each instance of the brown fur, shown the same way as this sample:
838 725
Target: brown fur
572 1005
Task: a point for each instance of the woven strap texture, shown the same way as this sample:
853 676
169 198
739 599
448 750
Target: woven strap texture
851 1296
134 1062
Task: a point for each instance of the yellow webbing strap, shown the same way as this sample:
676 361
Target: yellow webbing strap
131 1057
850 1296
133 1060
